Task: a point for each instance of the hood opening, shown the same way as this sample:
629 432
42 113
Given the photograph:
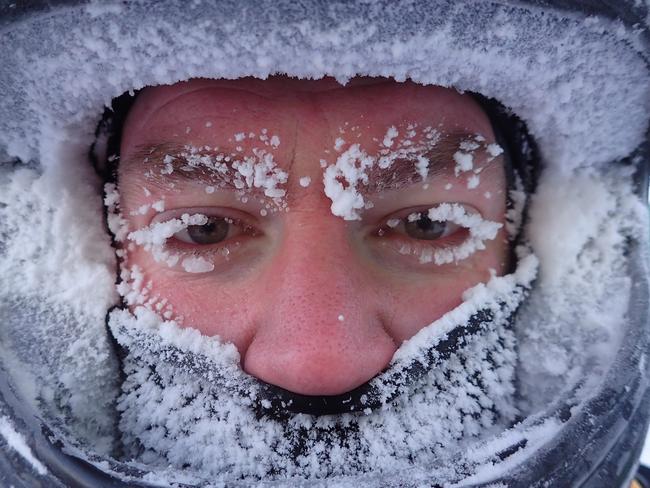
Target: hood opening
584 196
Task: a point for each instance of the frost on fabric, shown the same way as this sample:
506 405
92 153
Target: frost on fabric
589 264
185 398
17 442
531 69
57 269
578 83
168 333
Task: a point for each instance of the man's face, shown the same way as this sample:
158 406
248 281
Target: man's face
306 239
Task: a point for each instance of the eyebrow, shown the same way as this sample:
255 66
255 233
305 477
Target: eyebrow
180 169
401 173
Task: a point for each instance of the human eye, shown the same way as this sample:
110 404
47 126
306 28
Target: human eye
418 225
215 230
196 239
443 234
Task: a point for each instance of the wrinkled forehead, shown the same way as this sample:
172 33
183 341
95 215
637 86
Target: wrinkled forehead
205 110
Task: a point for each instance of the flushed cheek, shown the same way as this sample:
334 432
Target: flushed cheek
214 309
435 290
420 304
201 301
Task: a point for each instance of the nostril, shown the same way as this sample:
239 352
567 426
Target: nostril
318 330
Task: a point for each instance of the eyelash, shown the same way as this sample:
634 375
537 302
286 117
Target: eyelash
409 245
454 238
469 232
210 253
245 229
439 250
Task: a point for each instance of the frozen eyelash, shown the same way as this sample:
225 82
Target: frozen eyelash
153 238
158 232
480 230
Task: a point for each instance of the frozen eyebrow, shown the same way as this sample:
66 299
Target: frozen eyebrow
356 174
218 167
164 163
404 171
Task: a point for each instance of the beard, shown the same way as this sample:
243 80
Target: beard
186 403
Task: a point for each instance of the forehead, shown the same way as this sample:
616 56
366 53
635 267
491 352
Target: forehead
207 111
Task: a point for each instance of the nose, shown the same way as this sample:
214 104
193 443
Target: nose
321 328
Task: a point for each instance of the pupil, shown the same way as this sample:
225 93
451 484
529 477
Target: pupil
214 231
426 229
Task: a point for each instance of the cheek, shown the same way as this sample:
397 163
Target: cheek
426 297
213 306
223 306
420 303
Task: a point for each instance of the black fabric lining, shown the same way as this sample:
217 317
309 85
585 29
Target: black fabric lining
520 159
111 126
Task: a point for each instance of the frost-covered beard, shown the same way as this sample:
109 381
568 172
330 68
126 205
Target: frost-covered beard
186 403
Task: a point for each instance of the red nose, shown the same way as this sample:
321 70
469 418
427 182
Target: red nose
320 328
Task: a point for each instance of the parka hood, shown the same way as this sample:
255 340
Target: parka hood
576 74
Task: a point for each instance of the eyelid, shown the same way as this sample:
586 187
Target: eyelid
396 225
192 258
424 209
451 229
244 225
476 229
222 212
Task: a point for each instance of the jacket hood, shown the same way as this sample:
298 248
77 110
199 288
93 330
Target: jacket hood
575 72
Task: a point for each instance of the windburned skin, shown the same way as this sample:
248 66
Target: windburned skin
315 226
173 168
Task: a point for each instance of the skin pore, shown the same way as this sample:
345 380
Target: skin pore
316 300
